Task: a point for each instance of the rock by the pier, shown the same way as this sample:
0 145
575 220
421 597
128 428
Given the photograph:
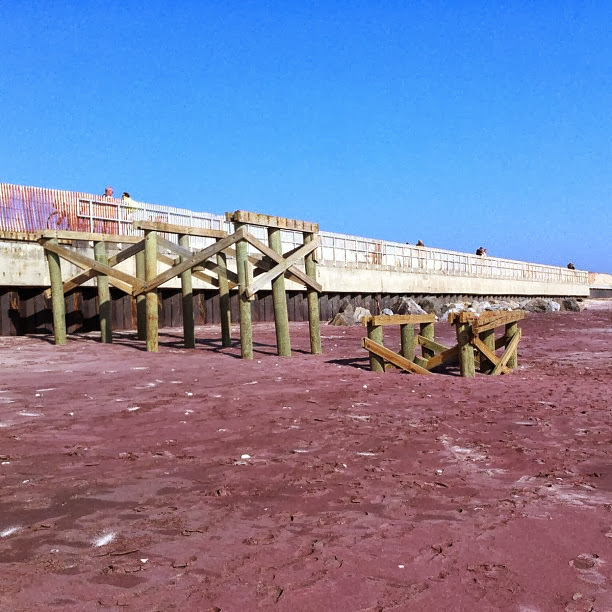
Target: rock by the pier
360 313
404 305
431 305
571 304
387 311
540 305
342 319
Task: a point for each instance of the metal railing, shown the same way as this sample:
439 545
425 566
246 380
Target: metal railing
29 209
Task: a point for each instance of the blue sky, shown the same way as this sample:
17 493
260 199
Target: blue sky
458 123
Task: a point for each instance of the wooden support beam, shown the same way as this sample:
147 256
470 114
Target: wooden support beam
90 236
493 319
450 354
283 266
78 279
262 263
487 339
242 264
279 299
466 350
184 230
375 335
436 347
86 262
279 259
489 356
511 348
398 319
427 332
151 293
57 294
384 353
312 297
253 218
511 330
104 297
192 261
224 300
187 297
407 341
141 301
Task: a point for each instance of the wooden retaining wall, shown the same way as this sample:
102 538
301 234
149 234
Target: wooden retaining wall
25 310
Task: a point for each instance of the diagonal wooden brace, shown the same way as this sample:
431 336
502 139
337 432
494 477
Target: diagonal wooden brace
284 264
79 279
392 357
130 282
512 346
232 277
192 261
488 353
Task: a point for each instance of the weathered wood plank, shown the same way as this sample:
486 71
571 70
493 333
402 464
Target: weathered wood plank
253 218
390 356
69 235
491 320
398 319
186 230
510 348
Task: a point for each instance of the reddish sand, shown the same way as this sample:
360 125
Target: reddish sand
193 480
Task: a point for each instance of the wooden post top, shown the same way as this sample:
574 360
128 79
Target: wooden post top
253 218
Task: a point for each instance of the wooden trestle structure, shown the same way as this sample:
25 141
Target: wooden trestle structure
253 273
476 343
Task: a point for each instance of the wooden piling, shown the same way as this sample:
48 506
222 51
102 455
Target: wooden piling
141 306
510 330
407 341
224 301
375 333
246 327
427 331
151 296
488 339
314 322
57 296
279 299
466 350
104 297
187 298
